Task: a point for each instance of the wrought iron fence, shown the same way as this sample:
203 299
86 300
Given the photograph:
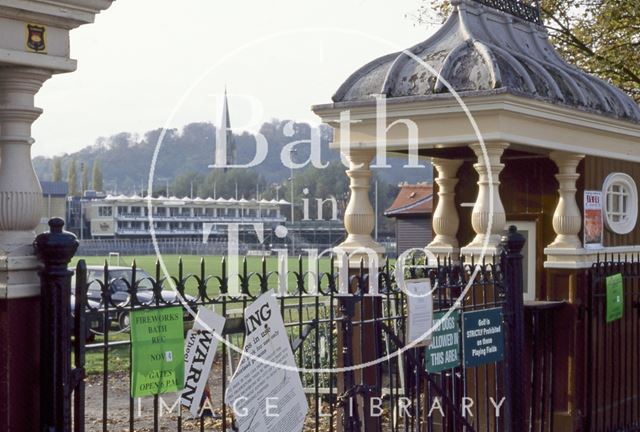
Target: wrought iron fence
340 336
613 348
367 327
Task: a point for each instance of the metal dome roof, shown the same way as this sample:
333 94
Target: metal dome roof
481 49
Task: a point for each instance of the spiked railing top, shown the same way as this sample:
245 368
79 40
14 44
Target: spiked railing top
480 50
529 12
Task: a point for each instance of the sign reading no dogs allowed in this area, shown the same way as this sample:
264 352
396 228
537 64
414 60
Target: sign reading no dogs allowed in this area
157 345
444 351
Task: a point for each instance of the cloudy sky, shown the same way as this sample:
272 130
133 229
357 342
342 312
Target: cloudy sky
147 64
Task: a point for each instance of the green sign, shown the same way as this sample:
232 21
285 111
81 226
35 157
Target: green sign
157 343
615 297
483 338
444 351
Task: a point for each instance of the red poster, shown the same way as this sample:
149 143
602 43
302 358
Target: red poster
593 221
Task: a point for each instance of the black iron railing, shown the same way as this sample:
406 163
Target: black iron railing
613 348
327 330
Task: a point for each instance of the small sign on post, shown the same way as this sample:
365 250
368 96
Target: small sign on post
157 344
420 311
483 338
615 298
444 351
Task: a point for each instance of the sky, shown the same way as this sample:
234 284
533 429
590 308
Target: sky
147 64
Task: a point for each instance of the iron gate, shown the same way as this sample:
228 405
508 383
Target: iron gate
326 331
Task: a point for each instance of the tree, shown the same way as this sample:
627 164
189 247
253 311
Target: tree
187 183
84 182
97 176
56 176
331 182
601 37
225 184
72 178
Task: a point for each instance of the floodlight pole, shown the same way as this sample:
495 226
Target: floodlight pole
293 238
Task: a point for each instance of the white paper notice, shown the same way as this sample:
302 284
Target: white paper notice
420 310
267 398
200 349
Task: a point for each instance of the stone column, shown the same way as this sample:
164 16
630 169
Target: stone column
359 217
488 217
20 211
359 222
445 217
567 219
20 192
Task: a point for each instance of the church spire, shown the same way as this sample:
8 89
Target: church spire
225 144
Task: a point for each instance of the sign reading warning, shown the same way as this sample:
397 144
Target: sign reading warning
200 350
157 345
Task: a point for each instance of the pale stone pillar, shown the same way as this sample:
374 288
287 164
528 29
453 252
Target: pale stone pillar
567 219
445 217
488 217
20 192
359 217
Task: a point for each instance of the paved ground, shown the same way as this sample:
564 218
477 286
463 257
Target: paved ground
118 407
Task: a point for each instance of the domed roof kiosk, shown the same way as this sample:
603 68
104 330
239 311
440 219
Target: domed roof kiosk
536 114
550 132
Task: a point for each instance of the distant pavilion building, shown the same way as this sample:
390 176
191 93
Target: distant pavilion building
128 216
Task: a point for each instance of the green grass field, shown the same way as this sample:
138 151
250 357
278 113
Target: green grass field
118 358
213 267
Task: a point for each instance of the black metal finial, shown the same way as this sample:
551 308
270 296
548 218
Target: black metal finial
513 241
528 11
56 247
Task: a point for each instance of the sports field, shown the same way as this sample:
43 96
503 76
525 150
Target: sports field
118 358
213 267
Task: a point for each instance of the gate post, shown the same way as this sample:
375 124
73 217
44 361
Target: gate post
55 249
513 312
351 421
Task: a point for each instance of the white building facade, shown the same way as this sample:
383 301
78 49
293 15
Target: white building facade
129 216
